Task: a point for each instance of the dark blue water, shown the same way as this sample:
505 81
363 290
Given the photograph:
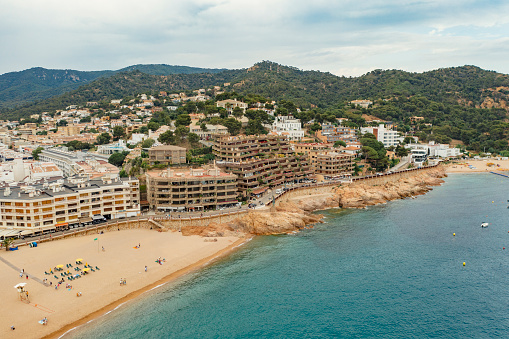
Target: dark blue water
391 271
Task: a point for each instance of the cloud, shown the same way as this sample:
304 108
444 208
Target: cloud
345 37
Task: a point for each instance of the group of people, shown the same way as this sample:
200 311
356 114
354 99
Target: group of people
123 281
160 261
22 273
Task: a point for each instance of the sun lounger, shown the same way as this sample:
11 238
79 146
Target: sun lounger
55 277
97 268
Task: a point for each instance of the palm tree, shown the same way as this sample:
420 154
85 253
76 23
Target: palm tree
7 243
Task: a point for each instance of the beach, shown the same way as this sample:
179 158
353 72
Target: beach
472 166
101 290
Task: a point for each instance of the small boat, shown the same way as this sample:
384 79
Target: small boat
484 224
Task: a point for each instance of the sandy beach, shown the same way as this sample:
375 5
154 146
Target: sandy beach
101 290
472 166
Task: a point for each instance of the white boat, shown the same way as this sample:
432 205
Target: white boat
484 224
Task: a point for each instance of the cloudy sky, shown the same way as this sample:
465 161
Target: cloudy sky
344 37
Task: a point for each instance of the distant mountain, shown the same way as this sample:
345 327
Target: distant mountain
35 84
467 85
163 69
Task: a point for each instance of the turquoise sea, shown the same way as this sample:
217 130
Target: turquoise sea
389 271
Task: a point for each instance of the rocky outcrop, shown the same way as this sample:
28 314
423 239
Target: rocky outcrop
286 218
289 217
360 195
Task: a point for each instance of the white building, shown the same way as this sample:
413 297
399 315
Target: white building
136 138
116 147
289 126
436 150
210 131
230 105
386 136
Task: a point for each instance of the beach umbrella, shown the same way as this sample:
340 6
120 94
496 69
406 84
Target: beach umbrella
86 269
20 285
79 260
60 266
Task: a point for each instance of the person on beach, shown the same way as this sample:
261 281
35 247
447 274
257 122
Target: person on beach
27 276
145 268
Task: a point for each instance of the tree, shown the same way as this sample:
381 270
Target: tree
238 112
193 138
103 138
7 243
147 143
36 152
118 132
203 127
122 174
62 123
166 138
183 120
315 127
85 119
143 129
42 133
401 151
340 143
408 140
153 126
233 125
117 159
181 132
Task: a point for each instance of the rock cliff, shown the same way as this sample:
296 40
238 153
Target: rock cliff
289 217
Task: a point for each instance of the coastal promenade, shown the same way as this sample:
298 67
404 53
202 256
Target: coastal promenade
176 221
165 222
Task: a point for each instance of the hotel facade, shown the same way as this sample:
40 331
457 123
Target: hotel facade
261 161
191 189
65 203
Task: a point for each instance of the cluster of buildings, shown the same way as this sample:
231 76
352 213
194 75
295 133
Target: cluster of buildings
68 188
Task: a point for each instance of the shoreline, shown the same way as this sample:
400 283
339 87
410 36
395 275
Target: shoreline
62 332
110 298
478 166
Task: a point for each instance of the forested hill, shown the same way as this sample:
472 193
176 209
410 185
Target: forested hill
35 84
467 86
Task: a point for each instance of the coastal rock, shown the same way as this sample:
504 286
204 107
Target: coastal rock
360 195
287 218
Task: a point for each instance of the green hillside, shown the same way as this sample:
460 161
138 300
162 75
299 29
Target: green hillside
36 84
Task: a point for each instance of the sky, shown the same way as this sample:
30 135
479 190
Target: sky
343 37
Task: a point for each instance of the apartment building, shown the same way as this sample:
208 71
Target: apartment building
230 105
331 133
387 136
361 103
69 130
209 132
191 189
167 154
289 127
65 203
332 165
67 161
260 161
